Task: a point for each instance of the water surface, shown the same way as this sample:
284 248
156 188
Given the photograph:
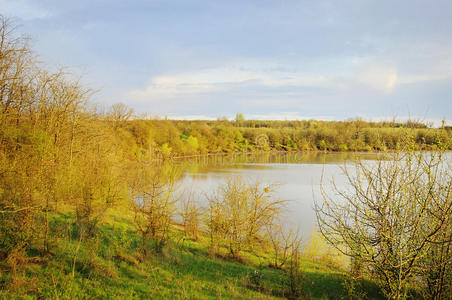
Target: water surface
296 178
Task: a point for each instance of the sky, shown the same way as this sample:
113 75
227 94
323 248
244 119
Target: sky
274 59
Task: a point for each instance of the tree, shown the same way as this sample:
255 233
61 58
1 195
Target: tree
191 214
119 113
284 243
96 173
395 215
153 201
23 143
239 118
239 213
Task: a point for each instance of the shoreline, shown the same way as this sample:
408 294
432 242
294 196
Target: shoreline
274 151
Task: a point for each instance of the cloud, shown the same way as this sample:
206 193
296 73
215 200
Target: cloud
167 87
416 78
385 76
221 79
268 90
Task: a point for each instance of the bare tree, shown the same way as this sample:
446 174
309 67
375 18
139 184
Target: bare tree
153 204
239 213
120 113
191 214
283 243
394 215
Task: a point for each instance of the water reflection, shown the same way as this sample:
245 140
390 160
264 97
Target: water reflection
280 158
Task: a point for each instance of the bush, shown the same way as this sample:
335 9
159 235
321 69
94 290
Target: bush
239 213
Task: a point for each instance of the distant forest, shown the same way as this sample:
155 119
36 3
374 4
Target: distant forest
167 138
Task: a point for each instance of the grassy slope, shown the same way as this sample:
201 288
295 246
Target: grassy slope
109 266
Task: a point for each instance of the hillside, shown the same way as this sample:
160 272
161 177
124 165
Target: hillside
111 264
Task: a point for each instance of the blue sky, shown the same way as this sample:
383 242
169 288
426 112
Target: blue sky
266 59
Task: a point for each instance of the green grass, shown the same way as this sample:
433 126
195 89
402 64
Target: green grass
109 266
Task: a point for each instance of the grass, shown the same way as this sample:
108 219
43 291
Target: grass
110 266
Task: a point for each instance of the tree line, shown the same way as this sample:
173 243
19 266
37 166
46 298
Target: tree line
166 138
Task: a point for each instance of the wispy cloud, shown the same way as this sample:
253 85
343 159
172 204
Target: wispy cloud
222 79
